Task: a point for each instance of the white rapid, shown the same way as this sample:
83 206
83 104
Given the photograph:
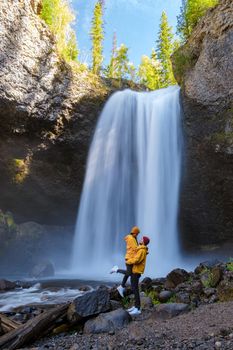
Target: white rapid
132 178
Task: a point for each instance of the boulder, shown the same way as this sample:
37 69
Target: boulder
6 285
216 275
115 305
146 284
43 269
177 276
164 296
209 264
146 302
209 292
183 297
89 304
109 322
166 311
196 287
225 287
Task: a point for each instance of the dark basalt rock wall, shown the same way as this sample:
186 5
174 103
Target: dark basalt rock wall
204 68
48 112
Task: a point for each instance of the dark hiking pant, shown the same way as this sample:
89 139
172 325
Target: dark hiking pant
135 288
126 274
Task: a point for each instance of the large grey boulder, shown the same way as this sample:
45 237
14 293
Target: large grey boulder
164 296
90 304
177 276
6 285
166 311
108 322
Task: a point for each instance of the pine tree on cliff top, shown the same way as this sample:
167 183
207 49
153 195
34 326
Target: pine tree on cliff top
122 62
165 49
111 68
97 36
149 71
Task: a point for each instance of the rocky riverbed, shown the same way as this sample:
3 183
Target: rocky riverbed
206 328
184 310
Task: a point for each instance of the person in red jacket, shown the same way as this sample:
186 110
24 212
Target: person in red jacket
131 248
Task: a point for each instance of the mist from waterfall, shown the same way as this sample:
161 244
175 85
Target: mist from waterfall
132 178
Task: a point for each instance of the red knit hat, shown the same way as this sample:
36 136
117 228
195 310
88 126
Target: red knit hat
146 240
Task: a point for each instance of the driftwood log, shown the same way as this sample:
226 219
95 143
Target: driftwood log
8 325
33 329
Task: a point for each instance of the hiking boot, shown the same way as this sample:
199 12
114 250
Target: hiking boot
130 309
114 269
121 291
135 312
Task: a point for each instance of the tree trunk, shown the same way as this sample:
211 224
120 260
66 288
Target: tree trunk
33 329
7 324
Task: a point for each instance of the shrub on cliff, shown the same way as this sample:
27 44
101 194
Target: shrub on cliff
191 12
59 16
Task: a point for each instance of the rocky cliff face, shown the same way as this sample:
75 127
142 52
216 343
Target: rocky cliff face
48 112
204 67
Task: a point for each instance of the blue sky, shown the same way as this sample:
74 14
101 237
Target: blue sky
136 23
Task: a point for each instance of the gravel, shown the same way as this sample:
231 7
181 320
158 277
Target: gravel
208 327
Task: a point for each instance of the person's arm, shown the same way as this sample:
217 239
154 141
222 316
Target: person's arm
139 256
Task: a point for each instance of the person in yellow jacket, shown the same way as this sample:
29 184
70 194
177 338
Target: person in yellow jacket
138 261
131 249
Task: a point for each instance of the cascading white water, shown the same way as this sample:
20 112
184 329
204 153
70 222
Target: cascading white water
132 178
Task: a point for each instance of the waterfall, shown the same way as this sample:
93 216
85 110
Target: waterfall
132 178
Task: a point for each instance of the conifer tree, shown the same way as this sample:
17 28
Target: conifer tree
122 62
97 36
165 49
149 71
71 46
111 68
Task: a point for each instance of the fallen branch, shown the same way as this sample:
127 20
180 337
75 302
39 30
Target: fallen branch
7 324
33 329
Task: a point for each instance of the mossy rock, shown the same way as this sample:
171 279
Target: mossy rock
225 289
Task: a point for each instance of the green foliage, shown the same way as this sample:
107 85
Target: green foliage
190 13
229 265
149 71
165 49
97 36
121 62
172 299
125 302
59 16
207 278
183 60
7 220
19 169
120 67
154 297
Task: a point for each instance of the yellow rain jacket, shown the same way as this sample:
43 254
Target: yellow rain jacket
139 259
131 246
